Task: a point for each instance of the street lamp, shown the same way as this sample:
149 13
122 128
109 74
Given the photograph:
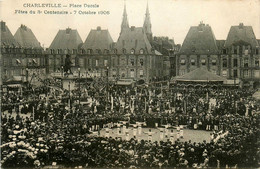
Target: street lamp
62 71
107 82
79 84
27 74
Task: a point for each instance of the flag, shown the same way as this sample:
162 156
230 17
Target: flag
112 102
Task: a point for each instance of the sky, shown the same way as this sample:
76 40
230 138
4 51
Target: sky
171 18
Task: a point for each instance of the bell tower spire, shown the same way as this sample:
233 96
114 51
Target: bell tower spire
124 23
147 24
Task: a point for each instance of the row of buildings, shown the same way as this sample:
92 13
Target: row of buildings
137 54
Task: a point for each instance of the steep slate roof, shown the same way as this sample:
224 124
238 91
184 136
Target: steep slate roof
199 75
220 44
98 39
258 40
241 33
133 38
199 40
25 37
66 39
7 38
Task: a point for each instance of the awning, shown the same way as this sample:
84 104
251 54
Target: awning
192 60
18 61
34 61
125 82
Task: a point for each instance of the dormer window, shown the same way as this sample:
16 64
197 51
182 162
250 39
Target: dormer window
214 62
183 61
52 51
98 51
192 61
59 51
203 62
105 51
115 51
132 51
124 51
89 51
141 51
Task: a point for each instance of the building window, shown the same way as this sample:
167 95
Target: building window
246 51
52 51
141 62
224 73
257 73
123 75
89 51
132 51
124 51
105 62
240 49
115 51
235 63
224 62
114 73
59 51
74 51
192 61
97 62
82 51
113 61
203 62
235 50
257 51
246 73
224 51
214 71
246 62
182 72
256 63
235 73
141 51
132 62
141 73
132 73
123 62
105 51
214 62
183 61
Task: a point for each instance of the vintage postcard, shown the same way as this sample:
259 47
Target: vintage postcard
130 83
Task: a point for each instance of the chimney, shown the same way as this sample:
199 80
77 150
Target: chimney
99 28
3 28
241 25
68 30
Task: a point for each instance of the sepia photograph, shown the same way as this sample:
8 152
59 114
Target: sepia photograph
129 84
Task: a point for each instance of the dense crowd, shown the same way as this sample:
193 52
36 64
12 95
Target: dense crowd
52 127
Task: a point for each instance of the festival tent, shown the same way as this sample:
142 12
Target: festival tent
200 75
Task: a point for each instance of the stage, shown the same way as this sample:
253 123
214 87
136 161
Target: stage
155 134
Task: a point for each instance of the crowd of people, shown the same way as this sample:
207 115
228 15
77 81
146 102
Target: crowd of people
51 126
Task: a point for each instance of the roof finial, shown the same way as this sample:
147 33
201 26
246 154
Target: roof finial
147 8
124 23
